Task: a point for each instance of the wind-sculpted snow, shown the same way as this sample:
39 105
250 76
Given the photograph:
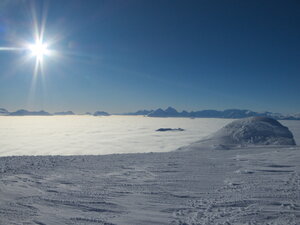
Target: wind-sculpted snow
247 132
257 187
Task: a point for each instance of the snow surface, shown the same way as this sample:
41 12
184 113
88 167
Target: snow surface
252 185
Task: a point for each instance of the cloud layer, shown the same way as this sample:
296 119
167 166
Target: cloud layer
82 135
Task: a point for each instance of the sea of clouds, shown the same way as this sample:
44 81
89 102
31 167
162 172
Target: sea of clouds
85 135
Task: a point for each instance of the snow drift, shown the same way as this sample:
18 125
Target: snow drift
247 132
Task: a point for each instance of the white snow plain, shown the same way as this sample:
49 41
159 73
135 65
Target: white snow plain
250 186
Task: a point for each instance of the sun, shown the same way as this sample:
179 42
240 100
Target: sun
39 49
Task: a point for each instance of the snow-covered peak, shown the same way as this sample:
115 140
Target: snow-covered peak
247 132
171 110
101 113
3 111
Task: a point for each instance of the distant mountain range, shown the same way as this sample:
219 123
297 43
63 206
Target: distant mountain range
169 112
139 113
64 113
229 113
23 112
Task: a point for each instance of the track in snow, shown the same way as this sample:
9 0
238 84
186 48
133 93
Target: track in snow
243 186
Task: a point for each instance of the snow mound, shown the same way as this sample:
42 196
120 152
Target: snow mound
247 132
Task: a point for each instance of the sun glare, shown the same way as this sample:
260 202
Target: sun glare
38 49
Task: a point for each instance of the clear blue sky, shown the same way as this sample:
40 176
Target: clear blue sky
125 55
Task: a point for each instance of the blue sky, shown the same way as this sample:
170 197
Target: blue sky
121 56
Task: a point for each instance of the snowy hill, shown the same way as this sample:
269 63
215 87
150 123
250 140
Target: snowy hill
247 132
